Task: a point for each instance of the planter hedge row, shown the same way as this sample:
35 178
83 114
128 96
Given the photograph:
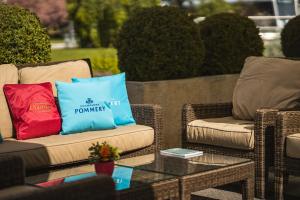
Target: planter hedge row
162 43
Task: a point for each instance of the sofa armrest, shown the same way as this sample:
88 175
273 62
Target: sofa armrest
100 187
150 115
12 171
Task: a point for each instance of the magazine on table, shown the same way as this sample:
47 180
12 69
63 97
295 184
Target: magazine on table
181 153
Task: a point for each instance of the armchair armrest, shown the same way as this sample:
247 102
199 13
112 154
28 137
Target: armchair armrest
150 115
264 147
287 123
12 171
266 115
264 128
265 120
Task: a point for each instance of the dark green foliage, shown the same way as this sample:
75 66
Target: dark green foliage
290 38
22 39
97 22
160 43
85 14
228 39
211 7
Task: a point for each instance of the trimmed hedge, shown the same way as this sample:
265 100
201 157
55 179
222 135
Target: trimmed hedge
160 43
229 39
22 38
290 38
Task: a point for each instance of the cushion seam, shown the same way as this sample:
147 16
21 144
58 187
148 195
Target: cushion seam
294 137
221 129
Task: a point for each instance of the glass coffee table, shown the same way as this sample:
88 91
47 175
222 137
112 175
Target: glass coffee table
165 177
202 172
140 185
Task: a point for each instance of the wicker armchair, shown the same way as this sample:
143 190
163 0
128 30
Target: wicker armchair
13 187
288 124
263 132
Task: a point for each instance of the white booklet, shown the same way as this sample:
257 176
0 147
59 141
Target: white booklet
181 153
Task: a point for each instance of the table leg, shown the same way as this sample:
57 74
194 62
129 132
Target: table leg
248 189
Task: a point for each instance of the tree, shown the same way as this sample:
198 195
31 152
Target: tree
85 15
211 7
53 14
115 13
97 22
204 8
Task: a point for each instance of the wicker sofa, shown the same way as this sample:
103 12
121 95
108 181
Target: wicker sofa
12 186
287 145
260 147
58 150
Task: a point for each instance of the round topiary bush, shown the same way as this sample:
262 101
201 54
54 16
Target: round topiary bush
160 43
22 38
290 38
228 40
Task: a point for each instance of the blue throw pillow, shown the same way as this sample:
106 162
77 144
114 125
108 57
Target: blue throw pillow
84 107
119 99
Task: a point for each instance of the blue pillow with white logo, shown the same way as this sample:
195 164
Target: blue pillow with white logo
119 99
84 107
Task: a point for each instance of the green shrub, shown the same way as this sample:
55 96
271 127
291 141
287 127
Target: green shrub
228 39
159 43
22 38
102 59
290 38
105 64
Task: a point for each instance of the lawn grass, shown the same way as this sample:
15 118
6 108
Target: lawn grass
103 59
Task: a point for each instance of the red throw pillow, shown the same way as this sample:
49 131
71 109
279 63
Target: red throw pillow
33 110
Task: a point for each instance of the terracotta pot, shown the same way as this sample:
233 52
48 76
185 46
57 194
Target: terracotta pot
105 167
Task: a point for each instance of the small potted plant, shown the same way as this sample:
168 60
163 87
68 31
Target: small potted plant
103 156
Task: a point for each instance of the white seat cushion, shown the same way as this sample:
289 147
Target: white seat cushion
62 149
225 132
293 145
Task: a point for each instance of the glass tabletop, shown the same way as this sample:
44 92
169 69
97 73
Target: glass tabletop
124 177
180 166
141 170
